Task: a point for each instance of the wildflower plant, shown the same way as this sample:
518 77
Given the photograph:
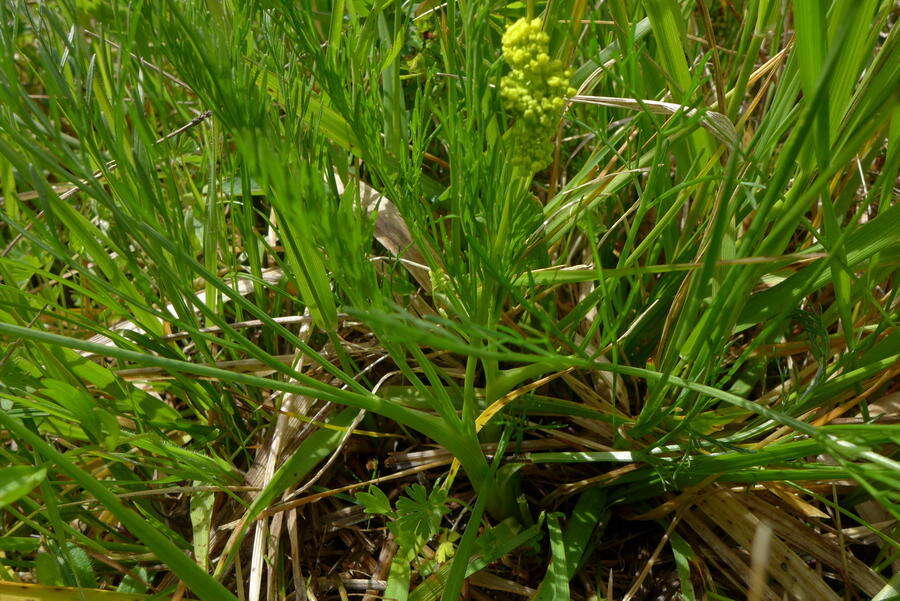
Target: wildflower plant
259 255
414 522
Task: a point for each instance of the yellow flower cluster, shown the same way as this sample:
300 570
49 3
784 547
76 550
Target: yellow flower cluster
534 90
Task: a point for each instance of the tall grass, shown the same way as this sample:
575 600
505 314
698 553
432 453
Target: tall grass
284 317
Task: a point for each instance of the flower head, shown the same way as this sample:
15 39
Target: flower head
534 90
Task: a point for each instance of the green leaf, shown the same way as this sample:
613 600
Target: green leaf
19 544
135 582
187 462
419 514
683 556
78 567
79 403
201 523
374 501
18 481
556 583
48 569
590 512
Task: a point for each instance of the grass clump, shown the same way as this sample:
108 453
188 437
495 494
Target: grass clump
448 300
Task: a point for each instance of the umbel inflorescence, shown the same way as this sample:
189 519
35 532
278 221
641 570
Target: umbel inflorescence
534 91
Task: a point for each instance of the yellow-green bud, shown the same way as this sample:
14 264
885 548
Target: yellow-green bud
533 91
